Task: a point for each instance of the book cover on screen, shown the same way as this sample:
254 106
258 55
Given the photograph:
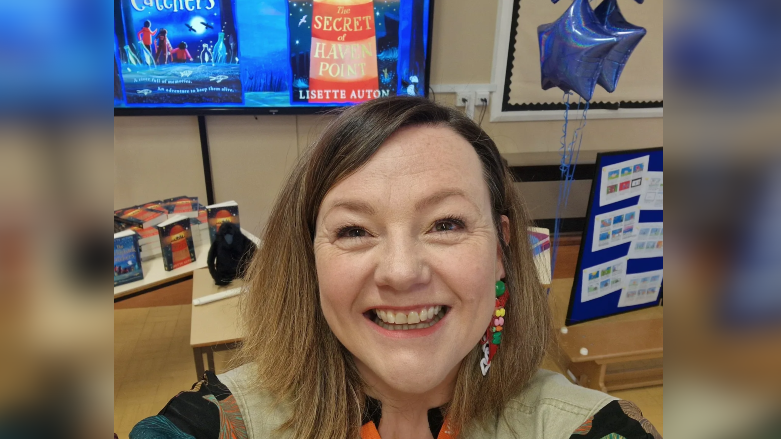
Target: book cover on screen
176 242
179 52
220 213
127 258
269 53
351 51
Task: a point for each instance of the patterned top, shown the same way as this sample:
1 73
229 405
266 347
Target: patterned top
209 411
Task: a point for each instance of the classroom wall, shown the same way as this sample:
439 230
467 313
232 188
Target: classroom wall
156 158
160 157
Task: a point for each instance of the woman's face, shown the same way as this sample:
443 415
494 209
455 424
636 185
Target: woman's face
407 259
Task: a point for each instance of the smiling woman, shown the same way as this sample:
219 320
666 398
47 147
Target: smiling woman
395 296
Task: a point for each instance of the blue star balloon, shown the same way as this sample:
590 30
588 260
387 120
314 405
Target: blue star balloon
629 36
572 50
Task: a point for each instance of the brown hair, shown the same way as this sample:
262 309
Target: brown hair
282 314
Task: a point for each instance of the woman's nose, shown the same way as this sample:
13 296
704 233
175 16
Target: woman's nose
401 265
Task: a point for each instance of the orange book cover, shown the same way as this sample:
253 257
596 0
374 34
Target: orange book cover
343 66
139 215
183 204
219 215
176 243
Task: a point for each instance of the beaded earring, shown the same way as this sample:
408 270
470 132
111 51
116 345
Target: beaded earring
493 335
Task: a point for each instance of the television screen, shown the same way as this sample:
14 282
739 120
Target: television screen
258 56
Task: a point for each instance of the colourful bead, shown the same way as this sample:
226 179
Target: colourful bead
497 339
498 329
500 288
499 321
500 312
493 329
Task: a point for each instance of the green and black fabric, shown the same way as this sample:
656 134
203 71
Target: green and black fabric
209 411
617 420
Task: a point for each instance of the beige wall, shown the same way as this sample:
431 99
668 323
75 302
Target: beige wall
155 158
160 157
250 160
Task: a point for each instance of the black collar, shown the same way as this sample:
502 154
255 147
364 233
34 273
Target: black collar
373 413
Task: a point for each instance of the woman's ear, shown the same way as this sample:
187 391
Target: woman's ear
505 228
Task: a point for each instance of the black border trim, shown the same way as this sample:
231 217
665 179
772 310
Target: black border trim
207 162
510 54
507 106
568 321
592 106
266 111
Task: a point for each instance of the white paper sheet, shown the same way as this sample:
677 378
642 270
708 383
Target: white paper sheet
622 180
603 279
641 288
648 241
652 197
614 228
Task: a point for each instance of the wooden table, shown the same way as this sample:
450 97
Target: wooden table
156 277
623 338
214 326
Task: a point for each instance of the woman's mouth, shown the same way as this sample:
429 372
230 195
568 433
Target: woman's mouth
394 320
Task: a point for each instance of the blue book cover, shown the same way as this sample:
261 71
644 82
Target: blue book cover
127 258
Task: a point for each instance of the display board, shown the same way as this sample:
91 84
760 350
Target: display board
267 56
620 264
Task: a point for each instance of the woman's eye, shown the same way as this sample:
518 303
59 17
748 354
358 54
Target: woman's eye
351 232
448 225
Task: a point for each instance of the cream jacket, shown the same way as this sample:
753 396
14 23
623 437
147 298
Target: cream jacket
550 408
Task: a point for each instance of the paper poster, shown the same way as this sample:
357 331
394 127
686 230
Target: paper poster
649 242
541 249
641 288
622 180
652 197
603 279
614 228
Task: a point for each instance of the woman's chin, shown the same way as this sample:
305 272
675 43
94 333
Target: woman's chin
410 377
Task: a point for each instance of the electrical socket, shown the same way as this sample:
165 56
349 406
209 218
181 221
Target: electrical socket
467 100
482 98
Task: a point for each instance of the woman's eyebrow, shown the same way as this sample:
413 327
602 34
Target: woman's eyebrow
353 205
442 195
363 207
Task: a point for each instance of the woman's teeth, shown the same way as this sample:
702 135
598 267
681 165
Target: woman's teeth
399 321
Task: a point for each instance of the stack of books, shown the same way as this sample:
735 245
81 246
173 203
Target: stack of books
169 229
183 205
150 238
144 218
